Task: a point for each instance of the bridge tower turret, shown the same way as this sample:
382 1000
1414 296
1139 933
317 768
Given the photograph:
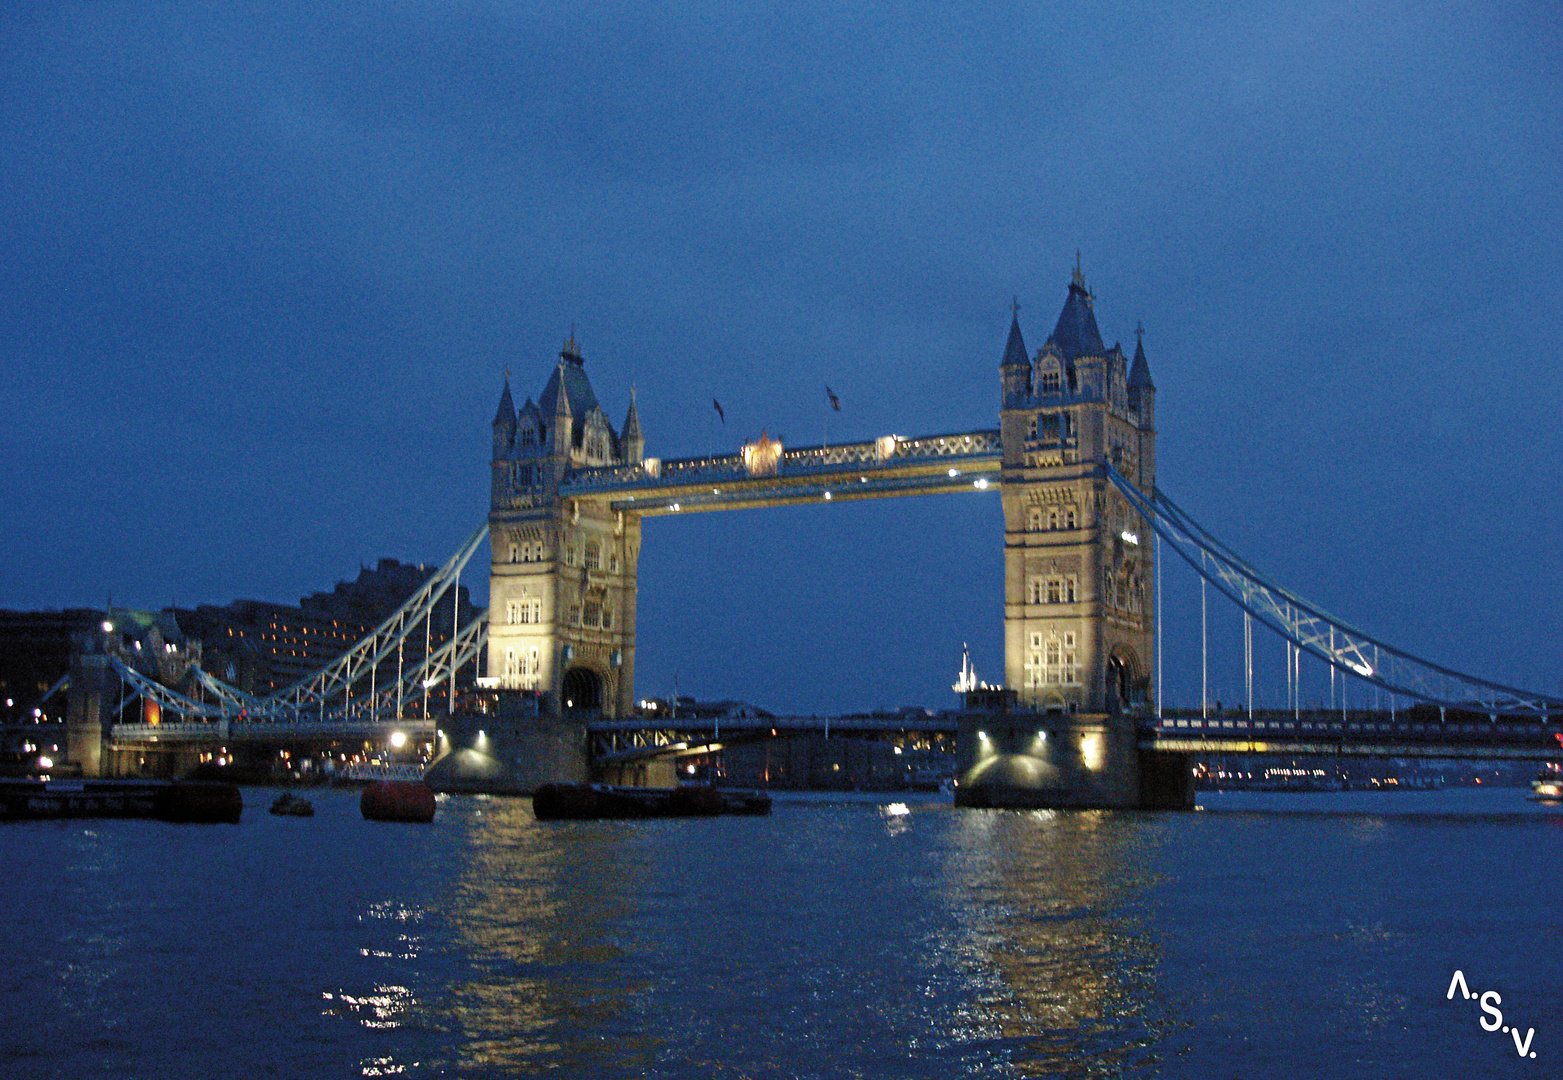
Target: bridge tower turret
1079 617
562 582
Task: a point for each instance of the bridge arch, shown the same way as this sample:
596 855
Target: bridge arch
1127 680
582 689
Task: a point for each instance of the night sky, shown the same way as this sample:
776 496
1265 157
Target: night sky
263 269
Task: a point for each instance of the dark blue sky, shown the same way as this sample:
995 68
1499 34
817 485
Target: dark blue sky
262 270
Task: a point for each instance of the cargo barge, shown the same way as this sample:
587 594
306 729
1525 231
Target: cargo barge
576 802
165 800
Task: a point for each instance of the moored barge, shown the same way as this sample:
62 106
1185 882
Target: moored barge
166 800
563 802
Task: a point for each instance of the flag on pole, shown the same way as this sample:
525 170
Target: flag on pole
718 406
835 402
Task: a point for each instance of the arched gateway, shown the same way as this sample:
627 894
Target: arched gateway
569 492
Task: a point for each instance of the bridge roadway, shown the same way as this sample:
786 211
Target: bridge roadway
1358 734
223 732
623 741
1275 733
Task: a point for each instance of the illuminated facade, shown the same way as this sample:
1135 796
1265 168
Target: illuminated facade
1079 571
562 581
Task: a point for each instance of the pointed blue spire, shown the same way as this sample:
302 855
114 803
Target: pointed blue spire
1140 372
506 414
1076 334
1015 351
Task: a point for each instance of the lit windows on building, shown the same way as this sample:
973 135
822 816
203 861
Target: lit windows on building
1051 661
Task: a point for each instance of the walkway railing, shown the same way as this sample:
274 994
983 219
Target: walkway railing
887 452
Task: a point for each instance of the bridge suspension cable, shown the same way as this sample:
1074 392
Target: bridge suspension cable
327 695
1312 630
336 679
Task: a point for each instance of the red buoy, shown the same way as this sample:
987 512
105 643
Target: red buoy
397 800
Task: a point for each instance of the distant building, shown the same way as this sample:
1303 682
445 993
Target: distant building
261 647
35 654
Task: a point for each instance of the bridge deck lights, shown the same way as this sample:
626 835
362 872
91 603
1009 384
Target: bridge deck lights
981 484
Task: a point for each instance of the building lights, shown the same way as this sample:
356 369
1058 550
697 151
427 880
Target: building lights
1093 751
981 483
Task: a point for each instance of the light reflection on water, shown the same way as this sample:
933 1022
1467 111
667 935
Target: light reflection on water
838 937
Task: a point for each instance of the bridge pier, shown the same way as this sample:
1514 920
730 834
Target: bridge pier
511 751
1065 761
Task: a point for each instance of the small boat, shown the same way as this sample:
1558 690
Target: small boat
290 805
1548 787
582 802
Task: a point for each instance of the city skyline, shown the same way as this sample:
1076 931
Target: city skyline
265 276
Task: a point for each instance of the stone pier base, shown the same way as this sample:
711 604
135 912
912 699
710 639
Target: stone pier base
507 753
1060 761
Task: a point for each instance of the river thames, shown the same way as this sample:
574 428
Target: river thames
1263 936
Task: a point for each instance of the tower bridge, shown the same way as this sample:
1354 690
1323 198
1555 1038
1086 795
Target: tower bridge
1073 462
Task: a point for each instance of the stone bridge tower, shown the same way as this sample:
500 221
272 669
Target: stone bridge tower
562 579
1079 618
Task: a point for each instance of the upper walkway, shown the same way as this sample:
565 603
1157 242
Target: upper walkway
766 474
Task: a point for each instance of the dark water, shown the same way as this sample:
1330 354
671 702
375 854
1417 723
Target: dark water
1256 939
